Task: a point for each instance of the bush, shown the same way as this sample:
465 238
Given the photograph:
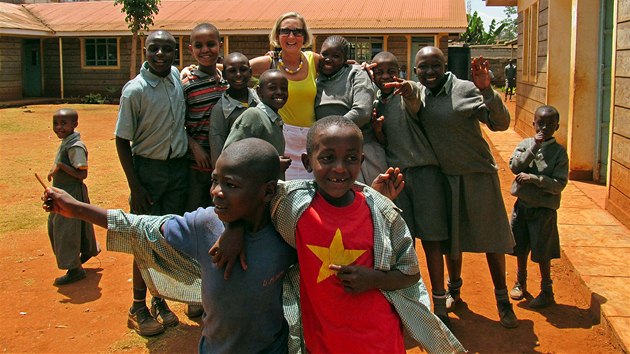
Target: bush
93 98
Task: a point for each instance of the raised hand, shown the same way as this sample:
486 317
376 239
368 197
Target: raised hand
480 73
402 87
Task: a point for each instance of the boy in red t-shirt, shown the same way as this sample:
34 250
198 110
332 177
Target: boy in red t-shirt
359 280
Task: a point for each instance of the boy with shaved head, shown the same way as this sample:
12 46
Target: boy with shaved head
244 314
451 112
151 142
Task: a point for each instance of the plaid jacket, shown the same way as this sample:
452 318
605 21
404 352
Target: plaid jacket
393 250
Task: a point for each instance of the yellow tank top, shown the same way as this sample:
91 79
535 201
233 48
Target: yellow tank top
300 107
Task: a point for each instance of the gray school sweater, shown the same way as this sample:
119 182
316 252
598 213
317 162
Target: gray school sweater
407 146
347 93
548 165
451 123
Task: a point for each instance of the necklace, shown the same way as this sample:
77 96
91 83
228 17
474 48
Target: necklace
285 68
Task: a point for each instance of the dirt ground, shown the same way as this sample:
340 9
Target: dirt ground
90 316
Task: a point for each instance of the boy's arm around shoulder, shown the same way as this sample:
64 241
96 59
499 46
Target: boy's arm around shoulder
218 131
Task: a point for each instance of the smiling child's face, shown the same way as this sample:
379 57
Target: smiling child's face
384 72
204 47
160 50
335 162
274 90
64 122
332 60
237 72
430 68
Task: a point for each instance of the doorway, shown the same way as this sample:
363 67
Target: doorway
604 87
31 69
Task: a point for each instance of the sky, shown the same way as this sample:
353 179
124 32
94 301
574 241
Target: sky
487 13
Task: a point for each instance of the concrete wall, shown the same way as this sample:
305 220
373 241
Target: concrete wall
618 201
10 68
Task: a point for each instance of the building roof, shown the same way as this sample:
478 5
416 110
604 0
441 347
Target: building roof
245 16
16 19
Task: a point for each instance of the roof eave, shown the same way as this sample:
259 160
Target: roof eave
25 32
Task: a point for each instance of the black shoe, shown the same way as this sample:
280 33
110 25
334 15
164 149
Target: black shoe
142 322
71 276
544 299
161 312
507 317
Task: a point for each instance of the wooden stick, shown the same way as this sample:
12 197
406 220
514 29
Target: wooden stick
40 181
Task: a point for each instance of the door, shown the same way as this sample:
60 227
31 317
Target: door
31 69
603 100
417 43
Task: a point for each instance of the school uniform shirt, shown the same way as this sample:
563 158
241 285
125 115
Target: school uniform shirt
393 250
451 120
407 146
202 92
258 122
335 320
548 167
223 116
242 315
151 115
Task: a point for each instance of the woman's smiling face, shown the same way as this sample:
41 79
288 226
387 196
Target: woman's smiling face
291 42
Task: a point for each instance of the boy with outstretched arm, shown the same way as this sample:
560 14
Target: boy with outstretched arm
244 314
541 166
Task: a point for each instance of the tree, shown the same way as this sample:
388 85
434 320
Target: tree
476 33
510 30
139 16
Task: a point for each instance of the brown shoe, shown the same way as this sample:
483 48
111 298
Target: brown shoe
71 276
142 322
161 312
194 311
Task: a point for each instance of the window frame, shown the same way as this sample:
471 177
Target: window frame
529 65
369 40
84 64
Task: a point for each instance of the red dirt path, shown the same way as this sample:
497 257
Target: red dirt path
90 316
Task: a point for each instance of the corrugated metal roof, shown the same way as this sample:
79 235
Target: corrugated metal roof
233 16
18 18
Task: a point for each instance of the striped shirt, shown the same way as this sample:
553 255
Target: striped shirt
202 92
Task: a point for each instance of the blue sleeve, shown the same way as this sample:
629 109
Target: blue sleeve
194 233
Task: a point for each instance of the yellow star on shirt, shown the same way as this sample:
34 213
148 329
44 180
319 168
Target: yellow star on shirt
334 254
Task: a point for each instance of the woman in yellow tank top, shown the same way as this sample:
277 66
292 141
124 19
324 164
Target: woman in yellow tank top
290 33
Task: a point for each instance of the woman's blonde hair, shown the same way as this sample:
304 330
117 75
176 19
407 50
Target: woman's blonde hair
275 31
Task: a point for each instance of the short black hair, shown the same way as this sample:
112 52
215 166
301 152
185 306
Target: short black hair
67 112
257 159
206 27
385 56
324 123
262 79
549 111
339 41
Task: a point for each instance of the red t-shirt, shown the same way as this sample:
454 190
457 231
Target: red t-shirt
336 321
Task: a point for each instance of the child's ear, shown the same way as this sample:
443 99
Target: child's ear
190 48
270 188
306 161
362 158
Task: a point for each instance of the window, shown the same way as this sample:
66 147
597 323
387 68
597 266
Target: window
530 43
364 48
100 52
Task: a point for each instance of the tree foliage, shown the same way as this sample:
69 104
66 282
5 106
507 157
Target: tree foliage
477 34
510 30
139 16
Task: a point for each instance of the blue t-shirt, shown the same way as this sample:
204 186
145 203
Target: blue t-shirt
243 314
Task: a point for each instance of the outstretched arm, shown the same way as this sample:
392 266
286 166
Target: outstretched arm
59 201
